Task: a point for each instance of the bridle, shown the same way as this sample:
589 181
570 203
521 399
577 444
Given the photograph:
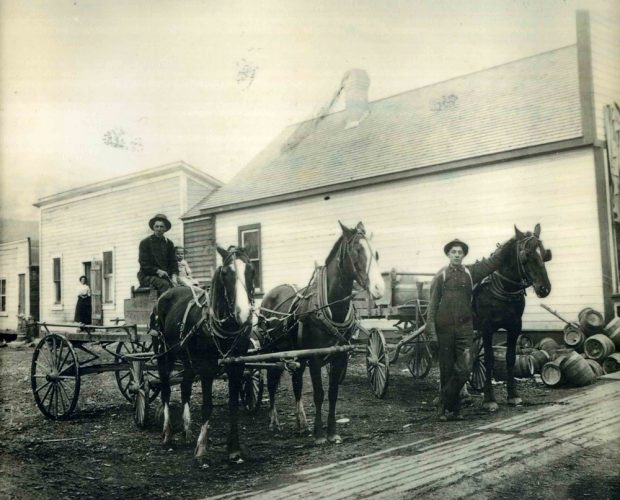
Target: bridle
230 305
525 280
345 255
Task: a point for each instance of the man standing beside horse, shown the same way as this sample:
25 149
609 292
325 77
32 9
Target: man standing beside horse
450 319
159 267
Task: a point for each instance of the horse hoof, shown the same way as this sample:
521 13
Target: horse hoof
491 406
188 437
515 402
201 463
235 458
320 441
336 439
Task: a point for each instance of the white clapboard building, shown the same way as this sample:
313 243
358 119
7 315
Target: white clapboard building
95 230
19 282
521 143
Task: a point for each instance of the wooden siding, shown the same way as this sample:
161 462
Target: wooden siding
199 243
81 230
14 260
412 219
605 49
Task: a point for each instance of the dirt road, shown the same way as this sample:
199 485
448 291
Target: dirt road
101 454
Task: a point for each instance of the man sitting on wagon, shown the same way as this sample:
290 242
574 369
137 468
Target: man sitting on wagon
158 263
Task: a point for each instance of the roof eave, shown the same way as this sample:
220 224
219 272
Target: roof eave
136 176
539 149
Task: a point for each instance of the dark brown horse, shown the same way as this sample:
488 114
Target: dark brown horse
320 315
199 330
499 302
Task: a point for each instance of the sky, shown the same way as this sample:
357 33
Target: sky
91 90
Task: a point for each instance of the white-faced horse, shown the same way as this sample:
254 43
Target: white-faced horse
320 315
199 331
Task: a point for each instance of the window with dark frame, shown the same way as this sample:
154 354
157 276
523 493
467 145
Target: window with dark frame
108 277
249 238
2 295
57 281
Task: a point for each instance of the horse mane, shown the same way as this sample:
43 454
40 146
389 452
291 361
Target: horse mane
335 249
217 291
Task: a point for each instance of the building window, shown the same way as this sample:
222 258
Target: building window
57 281
249 238
2 295
108 277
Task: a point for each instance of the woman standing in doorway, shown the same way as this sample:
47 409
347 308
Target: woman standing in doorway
83 308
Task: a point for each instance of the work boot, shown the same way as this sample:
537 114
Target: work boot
442 413
456 415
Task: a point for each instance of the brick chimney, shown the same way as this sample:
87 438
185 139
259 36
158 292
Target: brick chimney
356 83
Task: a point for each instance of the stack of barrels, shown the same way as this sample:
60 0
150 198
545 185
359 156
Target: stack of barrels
589 351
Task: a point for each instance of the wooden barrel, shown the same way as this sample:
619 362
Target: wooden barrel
599 346
548 344
524 367
407 288
539 358
612 363
577 371
596 368
524 342
574 337
591 321
551 373
612 330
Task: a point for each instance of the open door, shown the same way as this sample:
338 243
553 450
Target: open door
95 291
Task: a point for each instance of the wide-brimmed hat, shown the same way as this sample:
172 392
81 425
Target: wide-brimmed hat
162 218
454 243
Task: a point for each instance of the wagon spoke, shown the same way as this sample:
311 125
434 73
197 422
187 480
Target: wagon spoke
63 394
64 360
43 367
39 389
56 390
59 356
44 355
51 399
44 398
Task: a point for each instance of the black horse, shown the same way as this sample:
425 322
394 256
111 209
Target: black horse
499 302
320 315
199 330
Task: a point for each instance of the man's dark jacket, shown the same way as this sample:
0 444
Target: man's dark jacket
157 253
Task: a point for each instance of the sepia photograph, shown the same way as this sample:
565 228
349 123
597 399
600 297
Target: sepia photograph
310 249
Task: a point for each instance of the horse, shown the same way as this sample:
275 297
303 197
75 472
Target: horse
320 315
499 301
199 330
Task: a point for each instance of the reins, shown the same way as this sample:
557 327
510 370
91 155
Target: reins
498 280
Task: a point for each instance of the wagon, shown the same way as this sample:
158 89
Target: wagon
63 356
405 303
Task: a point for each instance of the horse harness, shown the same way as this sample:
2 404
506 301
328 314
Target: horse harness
310 302
497 280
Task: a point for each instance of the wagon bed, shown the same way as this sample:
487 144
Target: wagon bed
405 303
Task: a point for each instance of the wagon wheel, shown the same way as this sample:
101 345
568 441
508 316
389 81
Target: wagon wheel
478 374
140 393
252 390
377 363
55 377
421 360
124 377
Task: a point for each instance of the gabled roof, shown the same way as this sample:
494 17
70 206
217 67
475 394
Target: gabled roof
523 103
127 179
